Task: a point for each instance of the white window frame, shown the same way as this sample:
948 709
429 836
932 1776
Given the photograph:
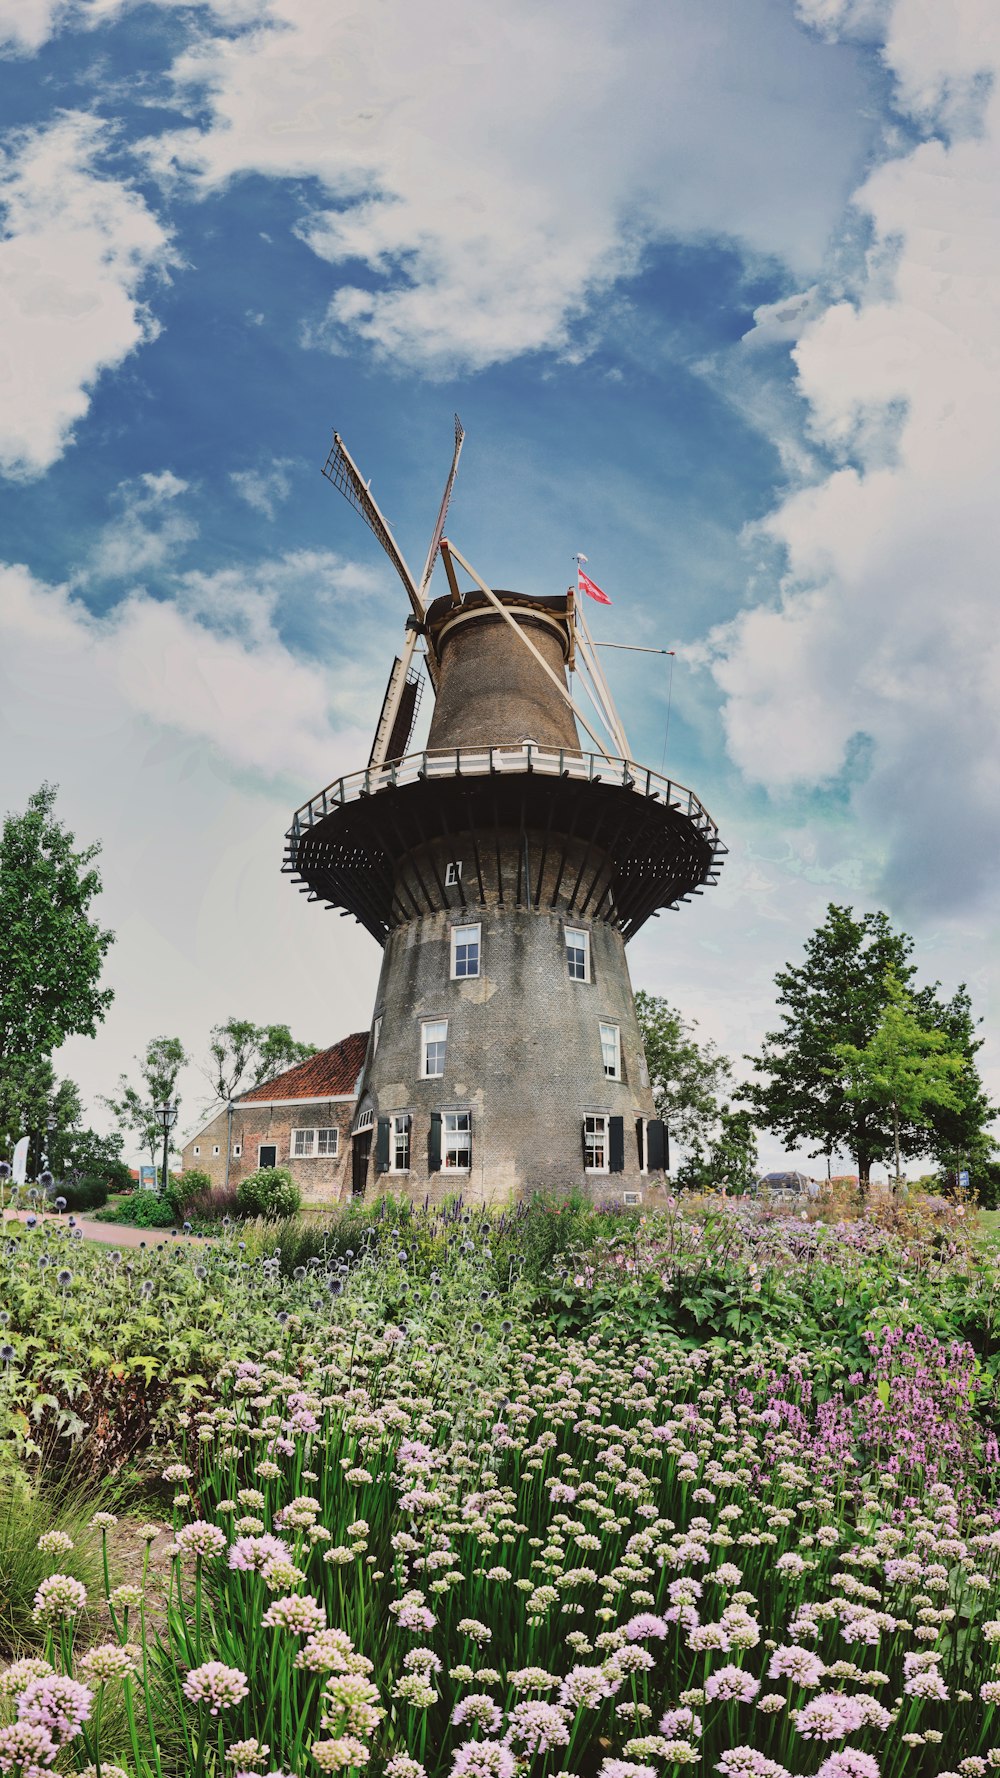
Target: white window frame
615 1071
328 1153
237 1150
453 874
456 1140
260 1149
197 1148
400 1132
601 1136
466 975
427 1025
365 1120
216 1149
577 932
306 1153
376 1032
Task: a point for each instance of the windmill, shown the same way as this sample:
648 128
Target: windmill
402 693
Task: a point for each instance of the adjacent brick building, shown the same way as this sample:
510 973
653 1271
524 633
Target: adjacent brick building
301 1120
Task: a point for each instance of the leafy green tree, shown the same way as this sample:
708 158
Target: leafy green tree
727 1159
837 996
904 1067
135 1106
688 1079
29 1096
242 1055
51 951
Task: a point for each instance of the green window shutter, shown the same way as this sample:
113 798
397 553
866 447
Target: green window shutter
616 1145
640 1142
382 1146
434 1144
655 1138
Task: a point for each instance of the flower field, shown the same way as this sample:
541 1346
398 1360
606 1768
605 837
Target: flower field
540 1494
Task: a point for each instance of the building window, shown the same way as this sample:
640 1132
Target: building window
328 1142
595 1144
611 1050
237 1150
578 955
303 1144
197 1150
457 1156
399 1143
464 951
376 1033
215 1150
453 873
267 1155
433 1042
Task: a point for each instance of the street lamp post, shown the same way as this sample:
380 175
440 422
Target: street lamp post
167 1117
229 1139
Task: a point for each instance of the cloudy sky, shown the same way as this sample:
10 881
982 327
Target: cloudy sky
713 285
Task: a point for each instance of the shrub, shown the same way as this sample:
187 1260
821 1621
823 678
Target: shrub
271 1191
143 1210
184 1186
84 1194
211 1203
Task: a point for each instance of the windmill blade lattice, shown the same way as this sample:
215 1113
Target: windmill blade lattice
341 469
435 544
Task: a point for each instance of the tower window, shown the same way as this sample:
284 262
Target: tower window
457 1154
578 955
595 1144
399 1143
464 951
376 1032
453 873
433 1042
611 1050
237 1150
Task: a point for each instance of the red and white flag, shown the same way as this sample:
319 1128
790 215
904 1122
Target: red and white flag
591 588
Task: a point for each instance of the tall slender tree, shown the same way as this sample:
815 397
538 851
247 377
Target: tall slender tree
906 1067
134 1106
52 950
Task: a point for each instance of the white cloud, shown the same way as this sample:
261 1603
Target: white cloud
76 250
885 627
149 530
184 752
497 186
264 489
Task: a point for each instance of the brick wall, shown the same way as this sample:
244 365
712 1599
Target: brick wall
321 1179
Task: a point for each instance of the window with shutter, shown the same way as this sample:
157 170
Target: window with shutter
640 1142
382 1145
655 1145
434 1144
616 1145
595 1143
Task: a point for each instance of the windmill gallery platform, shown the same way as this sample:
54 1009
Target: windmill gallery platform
502 868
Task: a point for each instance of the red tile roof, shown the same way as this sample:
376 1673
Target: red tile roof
331 1073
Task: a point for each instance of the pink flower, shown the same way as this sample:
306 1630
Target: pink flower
217 1686
732 1683
59 1705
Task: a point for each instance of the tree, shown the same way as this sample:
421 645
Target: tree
837 996
51 951
728 1159
687 1078
135 1106
905 1067
244 1054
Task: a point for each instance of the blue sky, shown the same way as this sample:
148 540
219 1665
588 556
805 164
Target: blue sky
712 287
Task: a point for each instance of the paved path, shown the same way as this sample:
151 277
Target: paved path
112 1234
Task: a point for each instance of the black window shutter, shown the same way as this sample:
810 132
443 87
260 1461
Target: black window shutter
655 1144
640 1142
616 1145
382 1146
434 1144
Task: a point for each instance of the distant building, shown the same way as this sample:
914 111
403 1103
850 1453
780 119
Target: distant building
300 1120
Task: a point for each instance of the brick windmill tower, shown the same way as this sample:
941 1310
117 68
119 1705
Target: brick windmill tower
503 868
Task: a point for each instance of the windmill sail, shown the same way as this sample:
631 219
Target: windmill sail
398 713
341 469
443 514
